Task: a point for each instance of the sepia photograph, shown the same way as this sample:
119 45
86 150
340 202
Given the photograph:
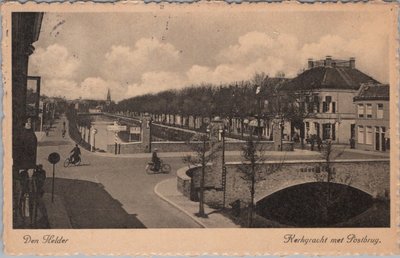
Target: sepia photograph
185 118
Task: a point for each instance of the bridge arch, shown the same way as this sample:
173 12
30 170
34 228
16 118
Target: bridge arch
263 193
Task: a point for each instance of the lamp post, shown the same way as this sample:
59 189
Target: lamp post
258 91
222 133
201 212
93 145
282 126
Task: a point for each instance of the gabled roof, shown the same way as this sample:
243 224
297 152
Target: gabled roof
373 92
329 78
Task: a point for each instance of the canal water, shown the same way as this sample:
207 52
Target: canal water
103 136
308 205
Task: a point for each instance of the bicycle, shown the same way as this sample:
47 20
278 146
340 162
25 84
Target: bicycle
68 162
164 168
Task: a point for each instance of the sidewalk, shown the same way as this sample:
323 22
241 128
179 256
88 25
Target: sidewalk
374 153
56 213
227 153
167 190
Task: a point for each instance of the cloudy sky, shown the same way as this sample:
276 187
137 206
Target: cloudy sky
84 54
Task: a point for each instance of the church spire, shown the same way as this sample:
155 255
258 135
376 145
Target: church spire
108 97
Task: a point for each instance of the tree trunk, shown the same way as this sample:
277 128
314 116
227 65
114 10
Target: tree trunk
241 128
201 197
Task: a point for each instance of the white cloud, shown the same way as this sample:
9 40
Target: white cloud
254 52
156 81
96 88
59 88
150 65
127 64
54 62
260 52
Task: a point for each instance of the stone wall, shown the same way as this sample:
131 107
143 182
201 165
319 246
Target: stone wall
370 176
136 147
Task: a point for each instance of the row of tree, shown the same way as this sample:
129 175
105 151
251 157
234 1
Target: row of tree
254 97
258 97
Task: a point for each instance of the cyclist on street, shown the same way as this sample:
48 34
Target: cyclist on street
75 154
156 160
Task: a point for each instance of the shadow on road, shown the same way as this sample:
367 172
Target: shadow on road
89 206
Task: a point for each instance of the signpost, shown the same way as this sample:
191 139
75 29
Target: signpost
53 158
93 140
116 128
134 130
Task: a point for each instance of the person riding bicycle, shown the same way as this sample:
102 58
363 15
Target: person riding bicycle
63 132
156 160
75 154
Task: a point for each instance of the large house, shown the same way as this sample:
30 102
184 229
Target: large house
372 117
329 87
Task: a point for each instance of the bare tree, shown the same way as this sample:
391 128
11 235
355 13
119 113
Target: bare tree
254 170
328 175
204 152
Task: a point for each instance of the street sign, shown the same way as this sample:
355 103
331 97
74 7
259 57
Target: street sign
54 158
117 128
135 130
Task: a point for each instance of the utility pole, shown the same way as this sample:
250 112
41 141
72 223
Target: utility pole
223 167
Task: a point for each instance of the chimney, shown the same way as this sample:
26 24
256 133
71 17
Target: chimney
310 63
328 61
352 63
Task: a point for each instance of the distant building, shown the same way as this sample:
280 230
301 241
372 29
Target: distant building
372 117
329 87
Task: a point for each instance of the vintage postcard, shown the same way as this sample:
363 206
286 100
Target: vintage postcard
205 128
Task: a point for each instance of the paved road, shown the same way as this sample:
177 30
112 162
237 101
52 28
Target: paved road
125 181
123 178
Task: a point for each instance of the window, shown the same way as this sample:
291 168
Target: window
316 107
316 104
369 110
360 110
333 107
326 131
360 138
368 139
324 107
328 99
379 111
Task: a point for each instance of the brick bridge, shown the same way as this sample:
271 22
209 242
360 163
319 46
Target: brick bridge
369 176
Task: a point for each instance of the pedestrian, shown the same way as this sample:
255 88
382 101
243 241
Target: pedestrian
352 143
319 143
312 142
39 177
